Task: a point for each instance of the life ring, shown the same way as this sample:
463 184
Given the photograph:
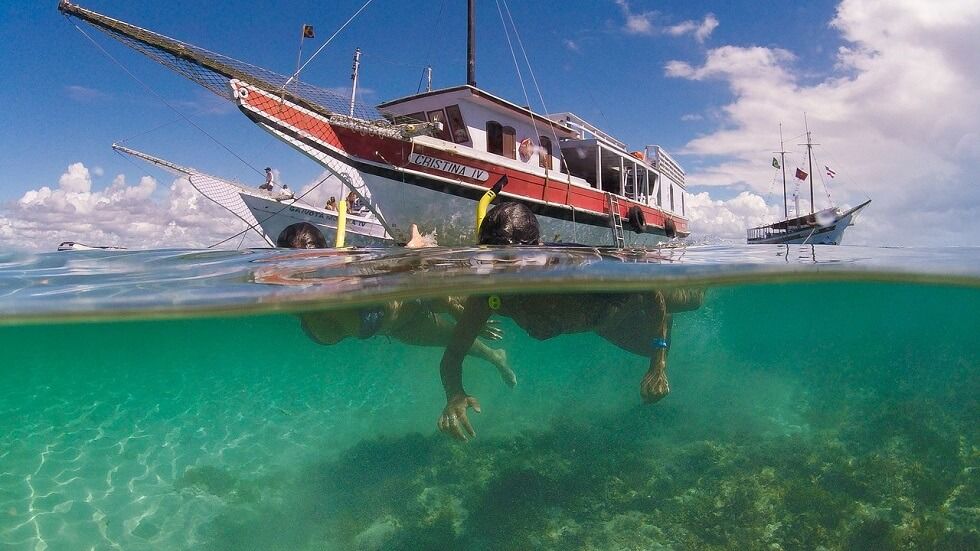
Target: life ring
636 218
526 149
670 229
242 93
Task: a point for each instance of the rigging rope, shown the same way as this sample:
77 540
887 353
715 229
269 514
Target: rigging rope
285 206
534 79
162 99
320 49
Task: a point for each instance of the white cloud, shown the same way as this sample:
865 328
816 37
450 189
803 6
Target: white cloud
83 94
701 31
636 22
896 117
727 220
571 45
647 23
690 117
133 216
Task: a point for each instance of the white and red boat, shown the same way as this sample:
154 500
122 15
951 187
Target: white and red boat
428 158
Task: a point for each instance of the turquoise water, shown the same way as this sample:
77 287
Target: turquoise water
820 397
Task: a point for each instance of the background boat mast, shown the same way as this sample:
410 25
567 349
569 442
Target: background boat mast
471 43
809 155
782 161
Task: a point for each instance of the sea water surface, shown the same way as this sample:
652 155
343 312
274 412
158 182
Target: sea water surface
820 398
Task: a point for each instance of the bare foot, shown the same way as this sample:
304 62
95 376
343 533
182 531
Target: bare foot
507 374
654 385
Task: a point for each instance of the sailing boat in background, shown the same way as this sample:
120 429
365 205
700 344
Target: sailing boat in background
824 227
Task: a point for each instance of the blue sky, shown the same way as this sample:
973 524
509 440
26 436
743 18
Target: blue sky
639 69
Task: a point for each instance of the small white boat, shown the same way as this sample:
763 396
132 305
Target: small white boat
268 213
76 246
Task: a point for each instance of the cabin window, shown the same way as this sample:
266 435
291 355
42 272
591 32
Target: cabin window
510 142
495 138
682 205
439 116
456 124
544 154
671 197
660 201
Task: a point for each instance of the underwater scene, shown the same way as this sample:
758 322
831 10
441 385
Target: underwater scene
783 397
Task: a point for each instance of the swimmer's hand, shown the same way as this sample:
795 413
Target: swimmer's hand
453 420
492 331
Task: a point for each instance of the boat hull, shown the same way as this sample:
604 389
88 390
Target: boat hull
453 217
274 216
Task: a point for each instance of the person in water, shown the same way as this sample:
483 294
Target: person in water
636 322
416 322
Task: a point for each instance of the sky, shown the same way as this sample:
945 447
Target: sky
888 89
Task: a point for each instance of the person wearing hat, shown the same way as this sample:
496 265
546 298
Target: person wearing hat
269 184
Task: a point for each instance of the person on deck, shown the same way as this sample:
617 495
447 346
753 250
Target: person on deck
636 322
417 322
353 203
285 193
331 204
269 184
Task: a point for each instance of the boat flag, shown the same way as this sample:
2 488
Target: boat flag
800 174
775 163
830 173
308 31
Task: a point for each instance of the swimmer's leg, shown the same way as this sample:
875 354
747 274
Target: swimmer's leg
432 330
497 357
654 385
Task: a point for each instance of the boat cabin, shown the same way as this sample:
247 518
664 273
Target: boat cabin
562 146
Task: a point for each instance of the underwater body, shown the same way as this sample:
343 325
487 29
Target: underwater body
820 397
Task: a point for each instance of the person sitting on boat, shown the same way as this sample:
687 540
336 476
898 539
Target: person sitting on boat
636 322
331 204
416 322
269 184
353 203
284 194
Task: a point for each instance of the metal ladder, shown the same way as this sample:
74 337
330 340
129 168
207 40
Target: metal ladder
616 221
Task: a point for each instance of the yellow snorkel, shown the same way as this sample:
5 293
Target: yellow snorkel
488 197
341 224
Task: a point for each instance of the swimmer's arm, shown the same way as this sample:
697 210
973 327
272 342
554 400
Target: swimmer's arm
469 325
453 420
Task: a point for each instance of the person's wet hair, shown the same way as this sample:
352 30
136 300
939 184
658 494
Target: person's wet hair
301 235
510 224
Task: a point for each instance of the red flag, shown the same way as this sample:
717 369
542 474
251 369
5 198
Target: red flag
308 31
801 175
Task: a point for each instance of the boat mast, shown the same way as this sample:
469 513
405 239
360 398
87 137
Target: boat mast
782 160
353 78
809 155
471 43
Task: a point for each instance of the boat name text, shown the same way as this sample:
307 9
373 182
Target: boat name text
450 167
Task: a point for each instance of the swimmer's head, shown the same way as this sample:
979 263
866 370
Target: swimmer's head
510 224
301 235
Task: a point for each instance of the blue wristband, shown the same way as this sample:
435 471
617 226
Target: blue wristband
659 343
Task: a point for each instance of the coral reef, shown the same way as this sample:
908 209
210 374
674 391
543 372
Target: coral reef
900 474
